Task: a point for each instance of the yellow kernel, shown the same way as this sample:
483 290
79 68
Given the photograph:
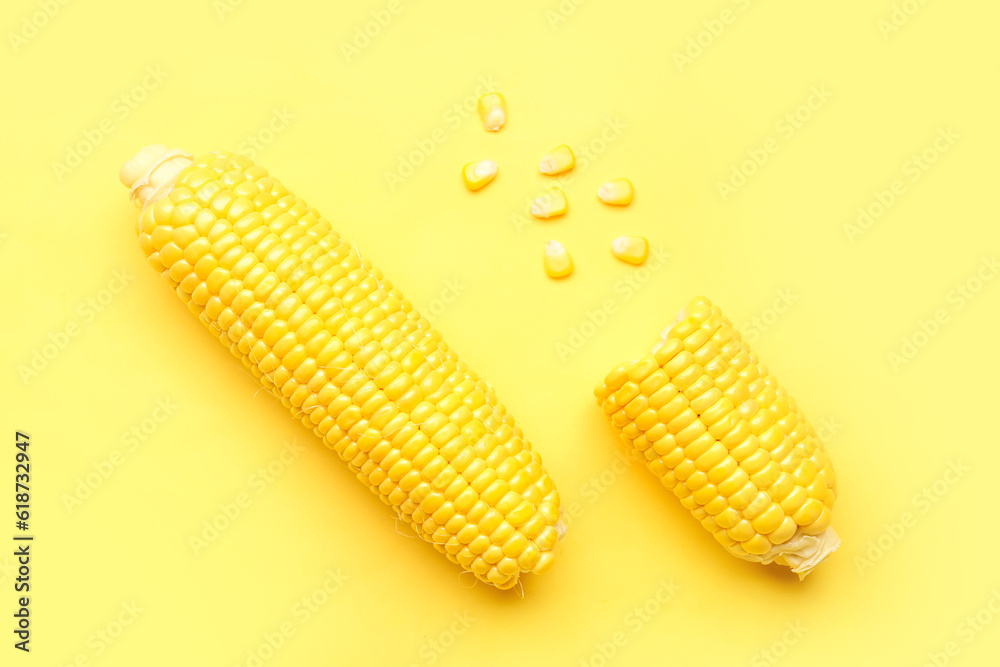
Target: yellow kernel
821 523
805 473
479 544
502 533
618 192
770 520
760 503
781 486
551 204
508 502
742 498
493 111
772 437
490 522
630 249
809 512
494 492
727 518
817 489
514 545
478 175
558 263
717 505
784 532
705 494
544 563
741 531
465 500
794 500
723 470
721 537
761 421
715 455
558 161
467 533
757 545
520 514
529 556
734 482
767 475
547 538
756 461
507 566
493 555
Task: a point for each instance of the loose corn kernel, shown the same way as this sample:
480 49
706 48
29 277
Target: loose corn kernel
558 263
631 249
618 192
558 161
493 111
718 430
478 175
550 204
337 343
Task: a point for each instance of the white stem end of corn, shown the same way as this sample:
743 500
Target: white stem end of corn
804 552
150 173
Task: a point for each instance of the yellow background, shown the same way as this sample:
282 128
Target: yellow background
893 594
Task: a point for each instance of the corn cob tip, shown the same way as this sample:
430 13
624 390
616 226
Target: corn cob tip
139 163
150 173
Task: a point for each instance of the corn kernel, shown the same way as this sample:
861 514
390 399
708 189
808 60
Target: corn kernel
558 263
478 175
809 512
558 161
770 520
727 518
784 532
631 249
618 192
550 204
821 523
741 531
493 111
757 545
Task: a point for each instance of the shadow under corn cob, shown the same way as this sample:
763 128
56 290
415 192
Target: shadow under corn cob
336 343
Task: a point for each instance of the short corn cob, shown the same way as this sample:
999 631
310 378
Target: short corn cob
717 429
336 343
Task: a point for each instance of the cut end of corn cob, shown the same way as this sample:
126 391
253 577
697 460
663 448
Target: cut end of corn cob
551 204
335 342
493 111
150 173
618 192
558 263
630 249
559 161
478 175
717 429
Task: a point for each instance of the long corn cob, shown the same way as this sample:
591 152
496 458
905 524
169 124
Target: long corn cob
717 429
336 343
